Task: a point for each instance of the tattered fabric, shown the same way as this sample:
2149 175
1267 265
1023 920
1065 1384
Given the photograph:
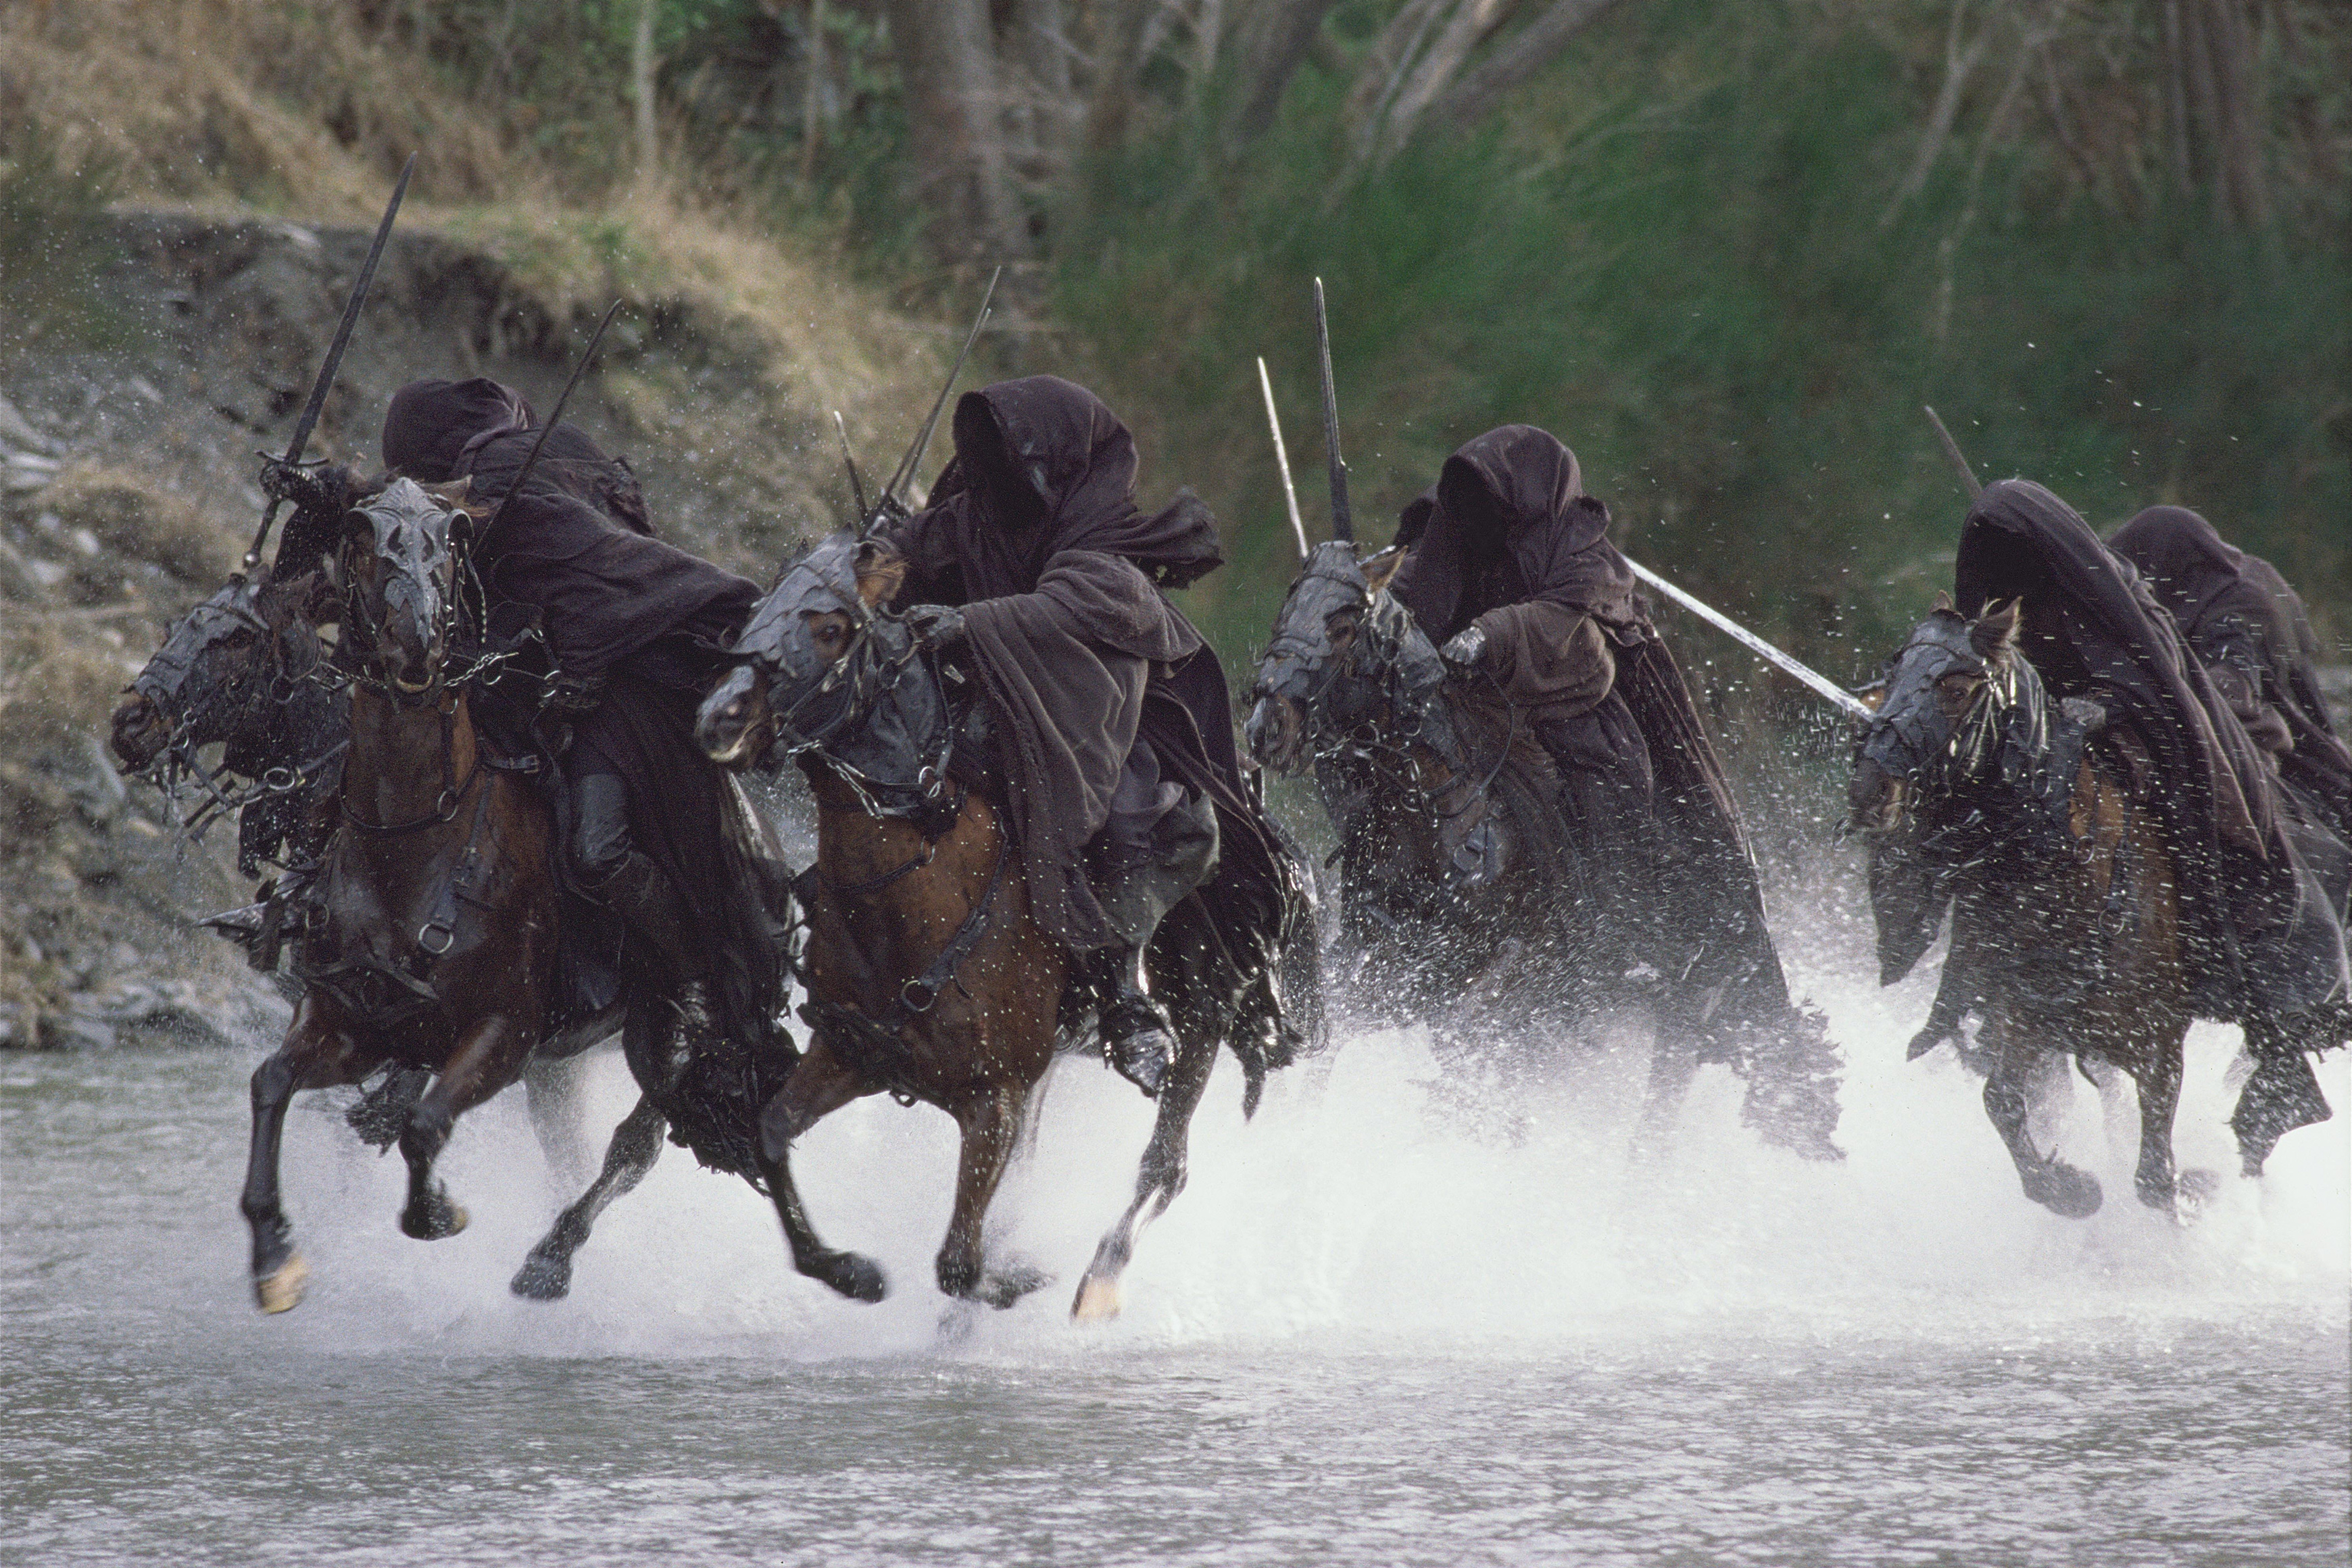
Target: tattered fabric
2261 935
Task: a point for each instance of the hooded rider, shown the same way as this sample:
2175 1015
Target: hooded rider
635 629
1032 558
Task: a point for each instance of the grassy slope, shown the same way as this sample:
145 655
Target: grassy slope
719 380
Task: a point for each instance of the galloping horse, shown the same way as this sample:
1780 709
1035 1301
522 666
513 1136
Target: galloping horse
2035 823
1460 881
927 974
237 671
1446 861
428 938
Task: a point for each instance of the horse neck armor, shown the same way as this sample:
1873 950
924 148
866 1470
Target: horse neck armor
891 729
1999 781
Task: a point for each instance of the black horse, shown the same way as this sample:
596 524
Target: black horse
927 975
2032 823
1463 894
242 671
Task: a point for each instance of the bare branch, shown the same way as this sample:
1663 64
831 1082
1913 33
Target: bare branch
1958 66
1483 87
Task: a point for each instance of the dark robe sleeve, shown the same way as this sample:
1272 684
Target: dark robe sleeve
1547 657
934 571
605 593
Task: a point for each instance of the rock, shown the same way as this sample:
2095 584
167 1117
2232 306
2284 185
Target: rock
71 1031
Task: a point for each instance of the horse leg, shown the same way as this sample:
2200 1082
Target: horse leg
991 1120
818 1086
546 1274
1673 1064
466 1081
2047 1180
2281 1094
1157 1183
2156 1183
313 1056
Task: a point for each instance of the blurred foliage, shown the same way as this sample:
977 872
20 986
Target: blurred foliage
1673 254
1681 248
54 248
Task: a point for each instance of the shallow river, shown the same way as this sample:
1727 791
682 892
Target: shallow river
1379 1328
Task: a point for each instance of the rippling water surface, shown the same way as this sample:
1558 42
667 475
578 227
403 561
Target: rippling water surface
1380 1327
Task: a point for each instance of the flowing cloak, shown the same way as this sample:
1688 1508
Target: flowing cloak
2249 629
1508 540
1032 528
2259 934
576 554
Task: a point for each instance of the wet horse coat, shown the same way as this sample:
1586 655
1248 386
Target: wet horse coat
2034 822
930 975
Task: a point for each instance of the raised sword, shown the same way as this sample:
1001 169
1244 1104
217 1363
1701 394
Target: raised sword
319 388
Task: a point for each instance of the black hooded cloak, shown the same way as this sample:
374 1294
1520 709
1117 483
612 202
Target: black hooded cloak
1033 528
575 555
1507 540
2249 629
2260 934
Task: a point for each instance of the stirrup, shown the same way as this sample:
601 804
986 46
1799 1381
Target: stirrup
1136 1041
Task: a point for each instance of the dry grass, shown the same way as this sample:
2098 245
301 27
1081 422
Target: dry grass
240 101
133 518
59 673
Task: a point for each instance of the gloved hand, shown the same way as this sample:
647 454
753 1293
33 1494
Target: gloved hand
574 694
316 486
940 625
1462 654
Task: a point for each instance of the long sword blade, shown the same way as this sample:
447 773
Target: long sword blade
531 458
319 388
1952 451
1343 519
1853 706
913 461
849 459
1281 457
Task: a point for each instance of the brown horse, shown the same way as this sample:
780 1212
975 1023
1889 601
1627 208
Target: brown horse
2035 825
428 938
927 976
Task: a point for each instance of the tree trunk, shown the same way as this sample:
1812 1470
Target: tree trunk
2241 193
813 83
947 56
1274 41
1124 24
1465 30
641 88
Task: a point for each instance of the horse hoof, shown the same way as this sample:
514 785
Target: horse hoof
543 1279
440 1220
859 1278
2063 1190
280 1290
1001 1288
1098 1300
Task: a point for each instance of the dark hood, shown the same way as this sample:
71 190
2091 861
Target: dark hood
2186 562
1509 521
1042 465
432 424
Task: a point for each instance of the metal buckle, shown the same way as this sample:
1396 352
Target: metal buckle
425 932
913 989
